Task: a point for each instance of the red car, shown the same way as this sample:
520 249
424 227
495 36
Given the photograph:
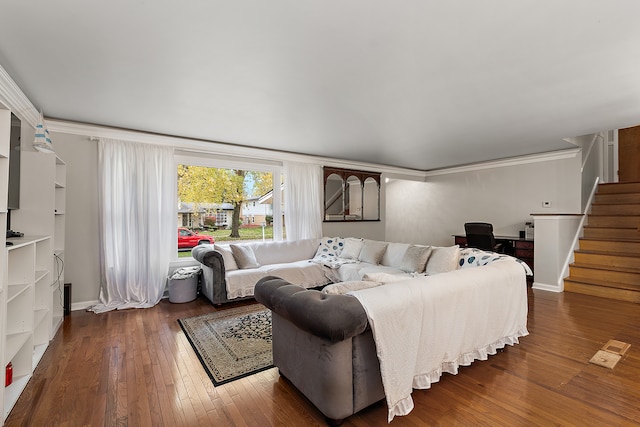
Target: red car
188 239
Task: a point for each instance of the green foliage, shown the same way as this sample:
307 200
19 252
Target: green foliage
204 185
263 183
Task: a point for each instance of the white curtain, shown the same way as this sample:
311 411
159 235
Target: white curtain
303 200
137 208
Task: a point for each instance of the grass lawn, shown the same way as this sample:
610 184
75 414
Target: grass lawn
246 233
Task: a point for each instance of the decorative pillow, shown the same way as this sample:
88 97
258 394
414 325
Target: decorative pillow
330 247
471 257
344 287
385 277
443 259
372 251
393 255
415 258
227 256
244 256
352 248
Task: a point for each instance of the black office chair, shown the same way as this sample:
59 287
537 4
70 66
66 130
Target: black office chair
480 236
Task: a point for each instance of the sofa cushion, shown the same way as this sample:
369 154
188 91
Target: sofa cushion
241 283
386 277
394 253
352 248
344 287
415 258
229 261
243 254
276 252
443 259
372 251
356 271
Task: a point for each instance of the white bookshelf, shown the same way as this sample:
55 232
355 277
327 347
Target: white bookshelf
28 311
5 132
30 294
57 284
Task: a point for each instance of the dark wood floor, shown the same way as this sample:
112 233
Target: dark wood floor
136 368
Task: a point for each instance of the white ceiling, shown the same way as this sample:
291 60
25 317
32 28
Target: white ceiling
421 84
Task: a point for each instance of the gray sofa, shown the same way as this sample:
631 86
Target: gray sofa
325 346
331 359
230 271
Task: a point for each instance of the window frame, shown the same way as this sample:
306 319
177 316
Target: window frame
205 160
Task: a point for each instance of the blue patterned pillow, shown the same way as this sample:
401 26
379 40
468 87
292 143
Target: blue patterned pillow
471 257
329 249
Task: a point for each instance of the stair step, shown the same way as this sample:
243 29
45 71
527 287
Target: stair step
619 209
607 259
601 289
617 198
619 187
625 275
614 221
610 246
632 234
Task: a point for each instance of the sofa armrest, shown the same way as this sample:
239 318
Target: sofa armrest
333 317
207 255
214 285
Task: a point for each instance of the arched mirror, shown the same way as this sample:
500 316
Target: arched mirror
351 195
353 199
371 200
333 197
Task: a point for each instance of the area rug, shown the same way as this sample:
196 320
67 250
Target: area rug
231 343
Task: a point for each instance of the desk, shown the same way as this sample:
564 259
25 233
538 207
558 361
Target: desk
522 248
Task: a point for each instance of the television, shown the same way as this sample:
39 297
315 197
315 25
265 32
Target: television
13 199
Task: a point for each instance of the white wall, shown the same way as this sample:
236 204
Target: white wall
431 212
82 263
411 211
82 266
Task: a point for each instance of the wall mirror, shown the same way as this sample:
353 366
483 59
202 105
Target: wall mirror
351 195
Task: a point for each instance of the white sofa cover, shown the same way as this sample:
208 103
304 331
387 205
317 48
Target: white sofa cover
230 271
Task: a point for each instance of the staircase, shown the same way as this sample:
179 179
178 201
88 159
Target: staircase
608 261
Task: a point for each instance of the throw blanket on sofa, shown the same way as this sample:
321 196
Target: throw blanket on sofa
426 326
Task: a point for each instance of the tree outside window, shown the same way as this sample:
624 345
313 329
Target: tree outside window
222 202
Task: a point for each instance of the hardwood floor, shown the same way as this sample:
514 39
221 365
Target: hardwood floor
136 368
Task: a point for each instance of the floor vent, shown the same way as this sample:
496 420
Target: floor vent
610 354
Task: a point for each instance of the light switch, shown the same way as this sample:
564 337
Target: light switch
546 204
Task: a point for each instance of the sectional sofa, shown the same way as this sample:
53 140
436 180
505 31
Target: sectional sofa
349 349
230 271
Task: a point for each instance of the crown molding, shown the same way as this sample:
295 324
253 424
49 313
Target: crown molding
196 146
15 100
513 161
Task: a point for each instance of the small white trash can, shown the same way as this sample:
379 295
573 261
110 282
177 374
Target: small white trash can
183 284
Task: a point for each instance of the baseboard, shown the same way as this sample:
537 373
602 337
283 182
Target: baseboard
546 287
83 305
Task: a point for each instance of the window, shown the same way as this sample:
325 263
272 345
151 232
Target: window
215 200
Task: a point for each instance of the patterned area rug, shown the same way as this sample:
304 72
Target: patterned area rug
231 343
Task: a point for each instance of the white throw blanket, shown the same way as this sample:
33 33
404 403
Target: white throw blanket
429 325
